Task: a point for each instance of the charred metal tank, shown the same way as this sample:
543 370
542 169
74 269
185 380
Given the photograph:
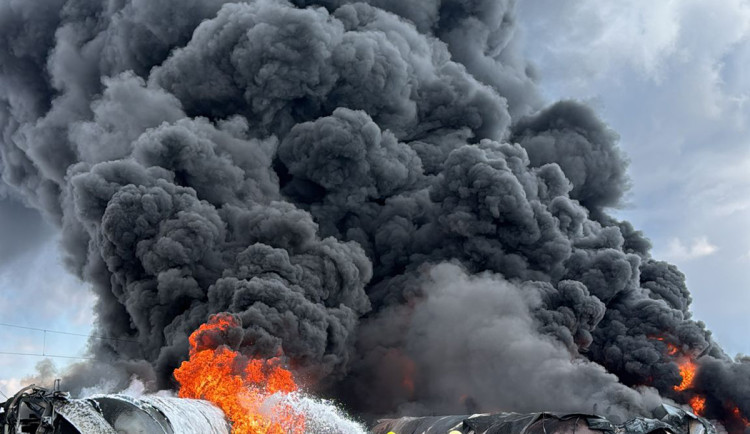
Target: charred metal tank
667 420
41 411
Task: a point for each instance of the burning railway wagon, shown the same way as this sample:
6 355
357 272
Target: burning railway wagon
40 411
669 420
372 195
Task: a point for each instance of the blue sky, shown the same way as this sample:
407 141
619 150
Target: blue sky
668 76
36 291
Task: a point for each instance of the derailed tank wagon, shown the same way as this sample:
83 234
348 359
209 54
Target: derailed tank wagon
41 411
38 410
667 420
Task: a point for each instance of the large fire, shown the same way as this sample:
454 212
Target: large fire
688 369
687 372
698 404
242 388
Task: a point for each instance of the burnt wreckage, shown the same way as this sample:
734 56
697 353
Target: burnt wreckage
41 411
667 420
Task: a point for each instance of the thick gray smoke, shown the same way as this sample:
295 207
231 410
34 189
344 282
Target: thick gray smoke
467 330
374 188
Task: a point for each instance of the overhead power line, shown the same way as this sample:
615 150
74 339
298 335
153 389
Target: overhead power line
44 342
54 356
104 338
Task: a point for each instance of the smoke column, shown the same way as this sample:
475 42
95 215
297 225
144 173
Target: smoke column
374 188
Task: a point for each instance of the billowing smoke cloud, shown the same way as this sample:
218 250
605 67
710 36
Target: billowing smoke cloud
468 329
374 188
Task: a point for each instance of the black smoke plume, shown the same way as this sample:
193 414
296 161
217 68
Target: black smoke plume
374 188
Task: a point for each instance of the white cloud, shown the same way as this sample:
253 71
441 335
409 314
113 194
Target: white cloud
699 247
585 39
9 387
679 63
721 193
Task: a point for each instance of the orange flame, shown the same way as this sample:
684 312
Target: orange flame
698 404
688 369
239 387
687 372
671 349
736 412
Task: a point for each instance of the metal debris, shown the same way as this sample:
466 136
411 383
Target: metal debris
667 420
41 411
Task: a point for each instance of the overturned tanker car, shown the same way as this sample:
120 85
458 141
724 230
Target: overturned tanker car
41 411
667 420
